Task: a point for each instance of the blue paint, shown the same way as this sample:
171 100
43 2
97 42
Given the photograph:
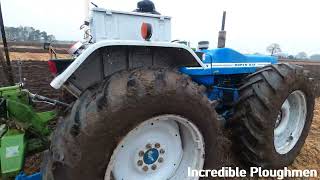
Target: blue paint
206 80
22 176
224 71
227 55
151 156
218 93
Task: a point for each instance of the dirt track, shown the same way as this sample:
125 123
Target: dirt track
309 157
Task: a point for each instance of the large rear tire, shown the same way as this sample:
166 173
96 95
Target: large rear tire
273 115
101 137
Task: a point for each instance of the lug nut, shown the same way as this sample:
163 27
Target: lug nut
162 151
140 163
154 167
148 146
160 160
141 153
145 168
157 145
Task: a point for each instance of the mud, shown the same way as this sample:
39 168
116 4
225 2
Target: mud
38 79
309 157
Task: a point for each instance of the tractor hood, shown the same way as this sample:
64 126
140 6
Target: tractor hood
228 61
227 55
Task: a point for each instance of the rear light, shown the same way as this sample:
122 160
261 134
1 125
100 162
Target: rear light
52 67
74 48
146 31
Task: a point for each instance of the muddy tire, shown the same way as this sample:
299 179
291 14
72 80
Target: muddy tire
85 140
263 107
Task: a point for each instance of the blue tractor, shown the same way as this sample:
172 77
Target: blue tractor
147 108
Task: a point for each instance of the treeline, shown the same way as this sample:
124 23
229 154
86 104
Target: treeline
275 50
26 33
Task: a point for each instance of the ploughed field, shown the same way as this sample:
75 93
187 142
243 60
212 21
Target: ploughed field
35 70
34 56
309 157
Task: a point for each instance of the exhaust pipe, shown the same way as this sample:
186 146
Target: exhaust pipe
222 33
86 10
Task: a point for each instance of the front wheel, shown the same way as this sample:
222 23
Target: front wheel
141 124
273 115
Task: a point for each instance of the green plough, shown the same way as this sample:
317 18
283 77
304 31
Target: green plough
22 129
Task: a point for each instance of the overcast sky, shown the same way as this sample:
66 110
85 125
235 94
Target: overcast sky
251 24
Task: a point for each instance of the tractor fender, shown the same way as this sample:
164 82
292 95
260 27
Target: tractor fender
104 58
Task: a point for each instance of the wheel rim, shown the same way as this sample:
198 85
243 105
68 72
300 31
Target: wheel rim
290 122
162 147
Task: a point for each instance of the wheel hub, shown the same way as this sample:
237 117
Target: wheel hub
290 122
151 157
